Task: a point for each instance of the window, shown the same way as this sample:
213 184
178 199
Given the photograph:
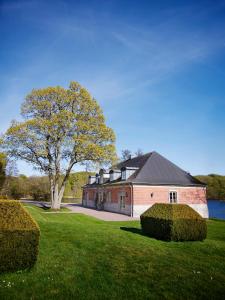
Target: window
123 175
109 197
173 197
87 196
122 200
100 197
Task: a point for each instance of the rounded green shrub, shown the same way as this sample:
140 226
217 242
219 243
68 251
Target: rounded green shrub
19 237
173 222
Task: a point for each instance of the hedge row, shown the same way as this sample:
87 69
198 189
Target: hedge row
19 237
173 222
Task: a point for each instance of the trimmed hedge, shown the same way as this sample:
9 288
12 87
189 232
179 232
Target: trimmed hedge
19 237
173 222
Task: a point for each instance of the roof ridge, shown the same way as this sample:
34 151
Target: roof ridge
129 159
139 170
173 163
138 157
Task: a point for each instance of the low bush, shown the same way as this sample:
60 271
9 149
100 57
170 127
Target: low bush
173 222
19 237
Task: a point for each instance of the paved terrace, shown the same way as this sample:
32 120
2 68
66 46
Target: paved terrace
99 214
79 209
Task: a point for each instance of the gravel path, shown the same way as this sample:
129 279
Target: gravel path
79 209
99 214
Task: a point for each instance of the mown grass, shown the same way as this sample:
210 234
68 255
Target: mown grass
48 209
85 258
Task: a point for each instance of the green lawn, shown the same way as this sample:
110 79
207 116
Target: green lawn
85 258
50 210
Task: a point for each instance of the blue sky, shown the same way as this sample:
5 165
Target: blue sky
157 69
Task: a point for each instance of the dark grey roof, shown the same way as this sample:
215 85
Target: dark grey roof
136 162
156 169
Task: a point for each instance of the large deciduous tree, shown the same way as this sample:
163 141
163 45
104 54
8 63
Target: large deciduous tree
61 128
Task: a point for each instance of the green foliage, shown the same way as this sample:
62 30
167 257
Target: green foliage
173 222
75 183
39 188
19 237
2 169
34 187
15 187
215 186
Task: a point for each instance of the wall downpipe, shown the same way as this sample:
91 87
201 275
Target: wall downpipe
132 199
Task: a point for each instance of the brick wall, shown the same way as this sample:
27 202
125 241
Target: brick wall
114 204
114 193
144 195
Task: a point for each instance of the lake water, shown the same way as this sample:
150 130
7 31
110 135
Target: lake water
216 209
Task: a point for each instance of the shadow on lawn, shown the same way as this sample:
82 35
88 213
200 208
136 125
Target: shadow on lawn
44 207
133 230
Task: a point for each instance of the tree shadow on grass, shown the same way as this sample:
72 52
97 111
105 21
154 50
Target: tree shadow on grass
44 207
133 230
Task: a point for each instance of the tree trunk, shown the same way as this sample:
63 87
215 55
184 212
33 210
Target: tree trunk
51 190
61 193
56 196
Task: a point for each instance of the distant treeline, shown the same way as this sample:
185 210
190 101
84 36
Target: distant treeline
37 187
215 186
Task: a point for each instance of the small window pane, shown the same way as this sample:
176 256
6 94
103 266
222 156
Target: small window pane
173 197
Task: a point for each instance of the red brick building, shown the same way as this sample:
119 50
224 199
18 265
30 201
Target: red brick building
137 183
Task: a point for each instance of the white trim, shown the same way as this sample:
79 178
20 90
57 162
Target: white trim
202 209
139 209
89 203
111 177
167 186
113 206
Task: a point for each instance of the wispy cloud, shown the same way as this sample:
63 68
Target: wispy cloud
147 53
165 49
123 58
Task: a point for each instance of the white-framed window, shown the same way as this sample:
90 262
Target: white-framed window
122 200
100 197
109 197
173 197
123 175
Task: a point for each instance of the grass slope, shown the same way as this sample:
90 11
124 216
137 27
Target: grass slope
85 258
